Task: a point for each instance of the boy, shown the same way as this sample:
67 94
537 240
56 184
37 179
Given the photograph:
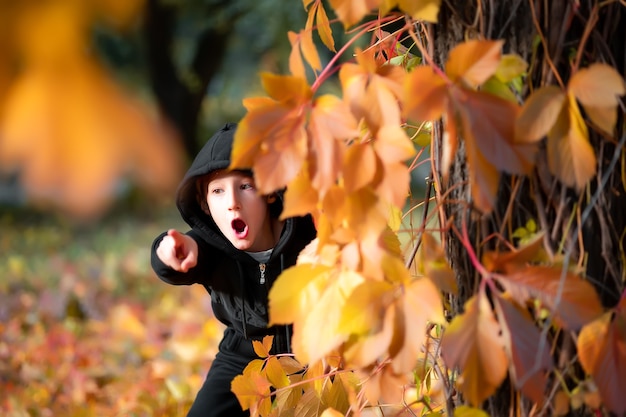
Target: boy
236 248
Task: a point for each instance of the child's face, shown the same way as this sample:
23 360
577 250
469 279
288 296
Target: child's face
239 211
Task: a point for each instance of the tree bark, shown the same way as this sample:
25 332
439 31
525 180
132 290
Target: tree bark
539 197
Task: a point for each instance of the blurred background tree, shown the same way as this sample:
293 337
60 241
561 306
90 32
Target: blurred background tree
101 98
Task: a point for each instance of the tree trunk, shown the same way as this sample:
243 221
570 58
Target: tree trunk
556 209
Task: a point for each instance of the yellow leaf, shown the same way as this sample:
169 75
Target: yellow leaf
511 66
472 343
312 342
466 411
275 373
539 114
474 61
425 94
364 310
571 157
427 10
420 304
296 291
331 412
363 351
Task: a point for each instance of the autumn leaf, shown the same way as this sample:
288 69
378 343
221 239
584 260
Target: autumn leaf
424 94
508 261
372 91
253 392
262 349
362 351
352 11
427 10
602 350
539 114
300 197
271 138
472 343
489 124
526 348
571 157
318 12
296 64
312 342
419 304
574 302
434 265
598 89
331 125
307 45
474 61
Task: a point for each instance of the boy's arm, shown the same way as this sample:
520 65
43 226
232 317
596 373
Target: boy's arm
177 258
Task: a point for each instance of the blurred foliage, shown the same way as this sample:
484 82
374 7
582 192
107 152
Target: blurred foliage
100 97
86 329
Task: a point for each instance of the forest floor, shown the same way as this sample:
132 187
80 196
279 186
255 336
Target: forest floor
87 329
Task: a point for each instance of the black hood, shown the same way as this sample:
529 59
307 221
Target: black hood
214 155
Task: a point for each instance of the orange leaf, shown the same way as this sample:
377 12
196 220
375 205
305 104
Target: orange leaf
539 114
602 351
296 65
570 155
599 85
425 94
250 389
474 61
308 46
352 11
262 349
300 197
360 166
323 28
577 305
598 89
490 121
286 89
510 261
271 138
372 91
472 343
484 178
525 346
331 125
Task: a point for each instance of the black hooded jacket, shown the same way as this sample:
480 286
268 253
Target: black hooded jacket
238 284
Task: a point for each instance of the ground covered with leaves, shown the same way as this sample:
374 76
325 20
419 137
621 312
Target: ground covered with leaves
86 328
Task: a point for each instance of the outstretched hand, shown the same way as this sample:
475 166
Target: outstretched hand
178 251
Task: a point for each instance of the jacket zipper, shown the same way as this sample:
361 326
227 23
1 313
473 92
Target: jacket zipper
262 271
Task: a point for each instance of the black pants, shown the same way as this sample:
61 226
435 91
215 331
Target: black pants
215 399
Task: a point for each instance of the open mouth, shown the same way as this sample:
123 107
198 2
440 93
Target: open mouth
240 227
